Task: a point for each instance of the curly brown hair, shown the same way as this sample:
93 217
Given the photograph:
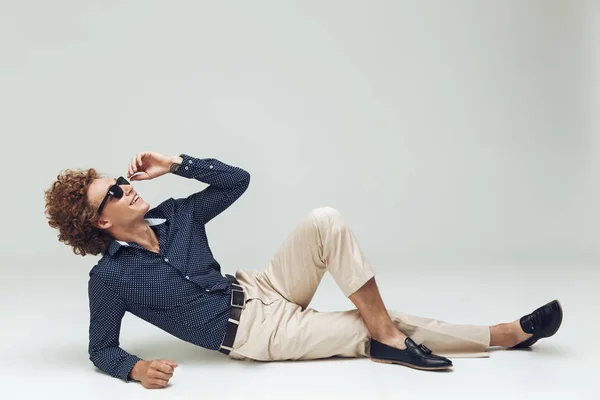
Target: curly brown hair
68 210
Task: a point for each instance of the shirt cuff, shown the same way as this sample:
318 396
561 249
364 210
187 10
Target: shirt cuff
191 166
126 368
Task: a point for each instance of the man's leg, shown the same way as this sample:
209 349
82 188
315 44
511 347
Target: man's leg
369 303
373 311
290 332
322 242
508 334
283 330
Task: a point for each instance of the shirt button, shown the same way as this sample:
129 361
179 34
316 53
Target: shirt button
187 277
210 166
166 260
190 161
207 290
186 167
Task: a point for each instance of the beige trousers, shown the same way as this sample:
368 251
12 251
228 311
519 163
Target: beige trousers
276 323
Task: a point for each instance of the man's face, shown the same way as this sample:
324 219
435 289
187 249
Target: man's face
116 212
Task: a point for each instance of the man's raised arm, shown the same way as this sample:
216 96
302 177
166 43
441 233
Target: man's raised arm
227 184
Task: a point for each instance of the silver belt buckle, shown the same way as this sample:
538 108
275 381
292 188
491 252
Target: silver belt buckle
234 290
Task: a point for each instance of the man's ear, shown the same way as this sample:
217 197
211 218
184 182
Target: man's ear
103 223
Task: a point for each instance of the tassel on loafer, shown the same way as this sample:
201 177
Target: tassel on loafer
415 356
542 323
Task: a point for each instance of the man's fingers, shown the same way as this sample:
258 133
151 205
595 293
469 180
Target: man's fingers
154 386
170 362
135 164
130 170
160 382
161 375
164 367
139 176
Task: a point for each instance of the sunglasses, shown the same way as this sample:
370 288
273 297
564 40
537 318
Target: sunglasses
113 191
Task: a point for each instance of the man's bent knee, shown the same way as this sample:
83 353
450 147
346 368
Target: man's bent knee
326 211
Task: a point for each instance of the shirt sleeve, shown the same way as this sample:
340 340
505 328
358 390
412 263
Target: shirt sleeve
106 313
227 184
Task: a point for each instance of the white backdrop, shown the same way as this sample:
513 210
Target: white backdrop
446 132
459 139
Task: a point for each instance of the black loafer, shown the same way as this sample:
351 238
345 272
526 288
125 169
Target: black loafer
542 323
415 356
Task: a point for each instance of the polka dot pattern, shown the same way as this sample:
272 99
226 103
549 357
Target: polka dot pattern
181 290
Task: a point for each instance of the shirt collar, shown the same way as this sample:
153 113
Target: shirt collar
116 244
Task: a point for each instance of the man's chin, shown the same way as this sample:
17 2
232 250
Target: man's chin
145 207
141 209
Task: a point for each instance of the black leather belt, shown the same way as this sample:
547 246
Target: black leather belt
238 301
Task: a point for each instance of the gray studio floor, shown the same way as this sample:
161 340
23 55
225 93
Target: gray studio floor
44 339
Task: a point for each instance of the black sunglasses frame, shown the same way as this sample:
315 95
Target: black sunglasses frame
113 191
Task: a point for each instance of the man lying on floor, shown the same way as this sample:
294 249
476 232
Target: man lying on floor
157 264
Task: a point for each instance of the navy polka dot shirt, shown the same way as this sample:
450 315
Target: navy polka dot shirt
181 290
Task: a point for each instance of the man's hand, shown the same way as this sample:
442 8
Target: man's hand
150 165
154 374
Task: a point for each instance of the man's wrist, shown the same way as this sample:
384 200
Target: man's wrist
175 164
138 370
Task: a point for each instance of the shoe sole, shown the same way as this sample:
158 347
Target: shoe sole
526 343
411 365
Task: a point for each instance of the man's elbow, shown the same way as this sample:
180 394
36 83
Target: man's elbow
99 356
94 357
243 183
246 180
